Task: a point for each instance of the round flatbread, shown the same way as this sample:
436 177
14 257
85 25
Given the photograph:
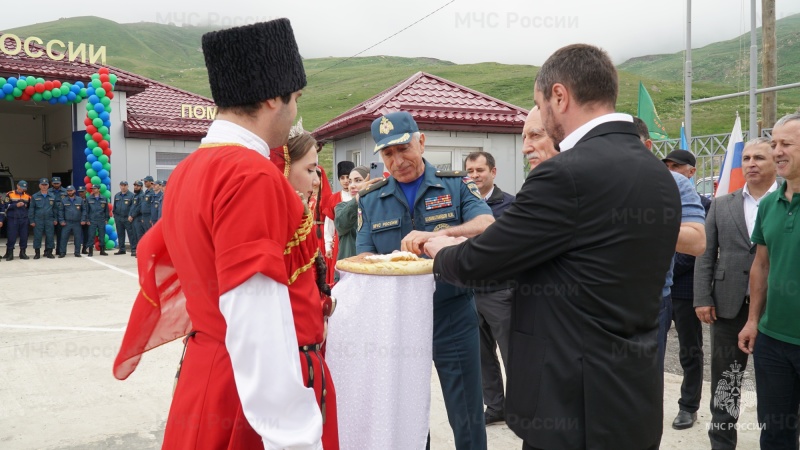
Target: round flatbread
396 264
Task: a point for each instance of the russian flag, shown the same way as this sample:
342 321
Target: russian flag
731 177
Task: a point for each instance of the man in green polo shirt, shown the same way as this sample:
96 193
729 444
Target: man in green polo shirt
772 331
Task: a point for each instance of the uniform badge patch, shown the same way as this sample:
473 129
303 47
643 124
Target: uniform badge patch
441 201
360 220
386 125
472 187
441 226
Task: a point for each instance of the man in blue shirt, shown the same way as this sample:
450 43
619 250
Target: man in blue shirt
401 213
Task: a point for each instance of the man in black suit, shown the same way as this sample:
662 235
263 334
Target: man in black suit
588 241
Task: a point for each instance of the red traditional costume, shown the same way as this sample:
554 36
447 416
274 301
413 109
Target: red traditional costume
229 261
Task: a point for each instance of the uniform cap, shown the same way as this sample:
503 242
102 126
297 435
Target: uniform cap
148 178
121 183
44 181
56 180
70 188
137 183
95 186
22 184
81 189
395 128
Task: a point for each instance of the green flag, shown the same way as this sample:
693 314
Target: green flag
647 112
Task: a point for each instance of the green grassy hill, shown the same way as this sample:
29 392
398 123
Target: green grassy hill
172 55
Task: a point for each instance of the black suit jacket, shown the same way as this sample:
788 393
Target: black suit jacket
588 240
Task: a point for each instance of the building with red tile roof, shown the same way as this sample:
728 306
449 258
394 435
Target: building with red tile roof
456 121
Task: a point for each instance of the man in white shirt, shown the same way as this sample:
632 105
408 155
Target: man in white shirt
721 286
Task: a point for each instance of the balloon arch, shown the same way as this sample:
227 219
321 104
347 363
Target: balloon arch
98 91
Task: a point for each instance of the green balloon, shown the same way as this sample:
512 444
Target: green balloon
105 101
47 95
83 93
108 108
107 166
88 167
97 122
21 84
37 97
110 243
103 130
97 151
103 188
95 76
17 92
96 83
96 180
91 143
88 137
40 80
89 106
56 92
100 92
107 194
10 97
107 137
111 221
91 173
2 81
112 79
92 114
103 158
65 86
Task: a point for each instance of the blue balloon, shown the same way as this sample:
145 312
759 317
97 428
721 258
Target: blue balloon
107 123
71 96
103 173
53 101
107 181
104 116
89 91
97 165
91 158
93 99
64 99
99 107
80 85
12 80
87 152
113 235
8 88
108 231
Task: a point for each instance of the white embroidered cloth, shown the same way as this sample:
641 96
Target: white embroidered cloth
379 352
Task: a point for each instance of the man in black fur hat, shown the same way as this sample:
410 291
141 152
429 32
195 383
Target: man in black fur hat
224 267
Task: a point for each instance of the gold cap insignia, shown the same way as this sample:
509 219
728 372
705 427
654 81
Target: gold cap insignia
386 126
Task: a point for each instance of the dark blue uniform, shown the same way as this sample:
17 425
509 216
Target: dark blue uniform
138 222
16 209
156 205
71 212
123 203
42 213
59 193
146 208
443 200
97 215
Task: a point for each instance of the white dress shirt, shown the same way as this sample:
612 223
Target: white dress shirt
751 211
573 138
262 343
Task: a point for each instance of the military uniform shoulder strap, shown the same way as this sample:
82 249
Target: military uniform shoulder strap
373 187
451 173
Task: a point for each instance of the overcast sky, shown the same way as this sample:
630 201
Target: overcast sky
462 31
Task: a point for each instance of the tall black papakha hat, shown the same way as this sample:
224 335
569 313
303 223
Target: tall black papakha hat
253 63
344 168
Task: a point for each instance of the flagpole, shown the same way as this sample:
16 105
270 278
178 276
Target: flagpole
753 72
687 80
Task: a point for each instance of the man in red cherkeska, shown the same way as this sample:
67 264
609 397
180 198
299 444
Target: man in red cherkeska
225 265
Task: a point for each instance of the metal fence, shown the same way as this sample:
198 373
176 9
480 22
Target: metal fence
709 150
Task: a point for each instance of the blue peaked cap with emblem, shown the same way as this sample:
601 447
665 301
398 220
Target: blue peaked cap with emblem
395 128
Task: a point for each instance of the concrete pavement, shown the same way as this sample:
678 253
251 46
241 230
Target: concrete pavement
61 323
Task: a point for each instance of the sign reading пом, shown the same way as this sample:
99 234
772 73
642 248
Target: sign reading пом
69 49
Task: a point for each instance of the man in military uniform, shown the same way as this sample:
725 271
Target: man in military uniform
58 192
42 217
135 216
123 202
71 216
402 213
84 225
97 212
157 202
16 205
147 202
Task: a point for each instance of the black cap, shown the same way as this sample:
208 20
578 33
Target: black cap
253 63
344 168
123 183
681 157
137 183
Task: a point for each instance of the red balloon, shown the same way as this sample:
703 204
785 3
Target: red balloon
39 87
107 152
24 96
109 94
103 70
103 144
56 84
48 85
89 186
91 129
29 90
87 180
107 86
97 137
88 122
103 77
